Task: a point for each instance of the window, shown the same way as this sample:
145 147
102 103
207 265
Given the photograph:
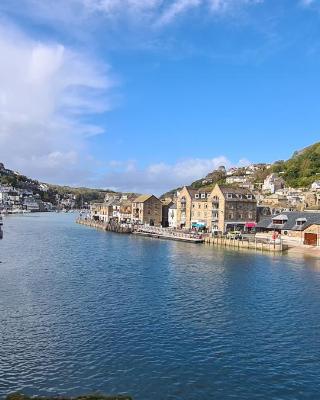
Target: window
205 214
193 205
199 206
203 195
229 195
196 196
206 206
249 196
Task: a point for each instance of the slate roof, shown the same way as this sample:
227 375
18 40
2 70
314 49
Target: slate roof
142 198
290 224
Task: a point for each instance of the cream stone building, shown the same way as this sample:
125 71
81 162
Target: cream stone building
147 209
221 209
232 208
100 212
193 208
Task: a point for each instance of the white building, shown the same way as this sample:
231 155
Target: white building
236 179
172 216
272 183
315 185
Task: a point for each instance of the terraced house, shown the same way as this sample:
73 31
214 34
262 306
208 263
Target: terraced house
233 208
147 209
221 209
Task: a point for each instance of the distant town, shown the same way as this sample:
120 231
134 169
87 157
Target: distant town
239 202
234 207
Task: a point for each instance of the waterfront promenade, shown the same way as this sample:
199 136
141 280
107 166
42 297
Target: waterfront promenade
252 243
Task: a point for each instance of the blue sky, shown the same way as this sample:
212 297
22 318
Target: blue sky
146 95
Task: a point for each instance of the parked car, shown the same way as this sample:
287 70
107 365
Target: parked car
234 235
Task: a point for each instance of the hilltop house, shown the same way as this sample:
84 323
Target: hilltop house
315 185
272 183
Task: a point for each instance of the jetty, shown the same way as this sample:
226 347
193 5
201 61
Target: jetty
168 234
264 245
105 226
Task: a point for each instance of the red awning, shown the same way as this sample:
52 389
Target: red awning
250 224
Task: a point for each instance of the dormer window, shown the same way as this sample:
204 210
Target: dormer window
249 196
300 221
196 196
229 195
203 195
279 219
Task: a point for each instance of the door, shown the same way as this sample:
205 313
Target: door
310 239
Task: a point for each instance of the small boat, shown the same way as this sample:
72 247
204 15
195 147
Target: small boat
1 224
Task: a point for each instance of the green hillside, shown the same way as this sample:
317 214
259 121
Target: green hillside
302 168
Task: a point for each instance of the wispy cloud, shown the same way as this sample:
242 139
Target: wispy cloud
156 13
43 90
161 12
160 177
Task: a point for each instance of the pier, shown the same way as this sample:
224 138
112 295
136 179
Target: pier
246 243
167 234
111 227
253 243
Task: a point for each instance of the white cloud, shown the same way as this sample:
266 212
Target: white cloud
161 12
43 89
307 3
161 177
74 14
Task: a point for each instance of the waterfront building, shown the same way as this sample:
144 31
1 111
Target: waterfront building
221 209
184 204
193 208
300 227
100 212
125 211
166 203
232 208
147 209
200 209
172 216
31 203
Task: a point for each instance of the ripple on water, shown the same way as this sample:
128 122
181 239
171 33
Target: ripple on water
83 310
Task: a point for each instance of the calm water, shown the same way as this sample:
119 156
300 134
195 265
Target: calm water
83 310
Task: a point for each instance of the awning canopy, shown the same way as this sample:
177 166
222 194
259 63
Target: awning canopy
198 224
250 225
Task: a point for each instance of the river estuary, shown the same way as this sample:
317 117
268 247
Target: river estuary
82 310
